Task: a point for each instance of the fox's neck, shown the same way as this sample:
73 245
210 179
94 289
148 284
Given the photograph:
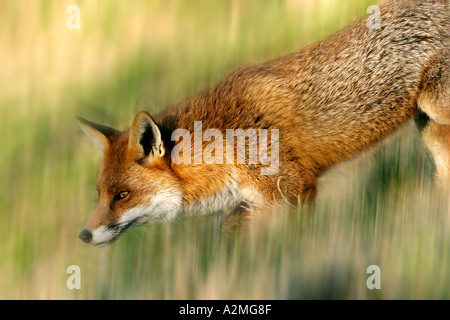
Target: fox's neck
205 187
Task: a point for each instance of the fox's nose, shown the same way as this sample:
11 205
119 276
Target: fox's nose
85 235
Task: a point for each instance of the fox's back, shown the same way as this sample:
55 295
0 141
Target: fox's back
337 96
359 84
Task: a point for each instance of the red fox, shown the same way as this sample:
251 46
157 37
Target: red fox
297 116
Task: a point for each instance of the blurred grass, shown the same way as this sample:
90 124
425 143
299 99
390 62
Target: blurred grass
381 208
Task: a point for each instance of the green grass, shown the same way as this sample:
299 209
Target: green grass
381 208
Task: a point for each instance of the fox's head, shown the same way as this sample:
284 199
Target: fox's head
135 184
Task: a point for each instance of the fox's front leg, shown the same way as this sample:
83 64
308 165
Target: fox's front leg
434 119
437 139
236 217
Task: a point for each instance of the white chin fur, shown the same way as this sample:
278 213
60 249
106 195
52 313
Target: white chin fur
102 235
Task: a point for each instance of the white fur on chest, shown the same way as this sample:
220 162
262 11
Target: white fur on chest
229 197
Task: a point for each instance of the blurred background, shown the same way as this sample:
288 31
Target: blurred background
379 209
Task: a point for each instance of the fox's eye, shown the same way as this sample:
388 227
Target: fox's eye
122 195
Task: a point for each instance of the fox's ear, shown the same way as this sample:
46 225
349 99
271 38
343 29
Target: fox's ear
145 143
98 133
